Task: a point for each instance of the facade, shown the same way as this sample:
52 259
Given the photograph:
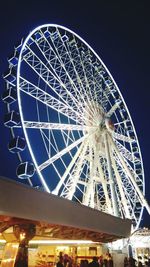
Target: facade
140 242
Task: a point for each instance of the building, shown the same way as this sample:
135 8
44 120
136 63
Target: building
27 213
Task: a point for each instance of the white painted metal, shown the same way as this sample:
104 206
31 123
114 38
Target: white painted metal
123 202
77 126
132 178
111 177
60 153
57 126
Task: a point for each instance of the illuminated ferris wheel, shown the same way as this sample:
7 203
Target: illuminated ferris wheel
65 106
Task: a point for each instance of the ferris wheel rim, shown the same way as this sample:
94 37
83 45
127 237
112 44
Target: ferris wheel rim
19 99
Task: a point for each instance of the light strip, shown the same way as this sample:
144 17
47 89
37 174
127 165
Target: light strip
61 242
2 241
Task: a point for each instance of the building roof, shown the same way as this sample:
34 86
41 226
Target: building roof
57 217
140 238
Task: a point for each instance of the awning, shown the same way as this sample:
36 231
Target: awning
56 217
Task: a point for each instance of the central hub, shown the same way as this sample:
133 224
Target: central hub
95 116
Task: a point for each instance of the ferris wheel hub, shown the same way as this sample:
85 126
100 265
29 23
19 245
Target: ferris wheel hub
109 124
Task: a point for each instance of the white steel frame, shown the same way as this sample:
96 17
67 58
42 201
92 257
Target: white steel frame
88 147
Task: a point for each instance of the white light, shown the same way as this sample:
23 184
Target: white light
61 242
2 241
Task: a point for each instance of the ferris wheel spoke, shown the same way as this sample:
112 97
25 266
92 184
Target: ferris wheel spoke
57 55
74 176
53 145
89 200
122 137
58 77
113 109
79 80
57 126
50 79
122 171
121 187
98 88
132 178
134 174
70 166
102 179
111 177
78 65
56 59
91 80
74 79
61 153
126 153
65 57
104 185
68 136
48 100
131 207
56 149
128 163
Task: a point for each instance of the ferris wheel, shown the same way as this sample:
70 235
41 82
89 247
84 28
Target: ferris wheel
65 106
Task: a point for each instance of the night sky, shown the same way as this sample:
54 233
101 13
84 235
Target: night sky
119 32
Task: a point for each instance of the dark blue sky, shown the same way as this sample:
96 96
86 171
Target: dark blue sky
119 31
